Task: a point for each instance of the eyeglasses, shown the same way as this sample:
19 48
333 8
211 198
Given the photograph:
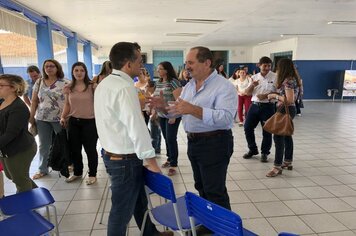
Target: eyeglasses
4 85
50 66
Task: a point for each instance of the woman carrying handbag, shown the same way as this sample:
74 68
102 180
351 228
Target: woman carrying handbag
287 83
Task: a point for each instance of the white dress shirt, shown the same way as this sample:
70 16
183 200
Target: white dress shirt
266 84
119 121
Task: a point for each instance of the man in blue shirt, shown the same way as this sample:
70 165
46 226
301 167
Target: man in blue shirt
208 104
34 74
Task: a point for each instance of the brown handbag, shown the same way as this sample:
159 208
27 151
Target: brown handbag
280 123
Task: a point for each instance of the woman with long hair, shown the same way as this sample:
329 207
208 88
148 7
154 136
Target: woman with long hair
171 89
47 105
220 69
17 145
78 116
287 83
106 70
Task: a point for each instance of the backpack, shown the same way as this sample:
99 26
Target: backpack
59 154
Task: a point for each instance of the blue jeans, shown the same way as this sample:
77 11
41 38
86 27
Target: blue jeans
210 157
169 132
284 144
128 196
45 130
155 132
258 114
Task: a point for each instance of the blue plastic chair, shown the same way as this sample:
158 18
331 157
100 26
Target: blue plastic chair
287 234
216 218
172 214
30 200
28 223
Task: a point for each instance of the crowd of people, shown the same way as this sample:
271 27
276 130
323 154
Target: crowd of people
128 118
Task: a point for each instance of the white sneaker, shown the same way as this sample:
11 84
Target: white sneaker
72 178
300 114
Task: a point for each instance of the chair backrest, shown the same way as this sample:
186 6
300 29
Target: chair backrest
160 184
287 234
28 223
216 218
24 201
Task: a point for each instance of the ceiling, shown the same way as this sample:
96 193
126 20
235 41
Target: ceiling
245 23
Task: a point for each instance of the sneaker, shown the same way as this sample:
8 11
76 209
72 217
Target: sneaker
264 157
249 154
241 124
299 114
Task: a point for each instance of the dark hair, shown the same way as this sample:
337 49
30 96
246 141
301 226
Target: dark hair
32 69
286 70
265 60
123 52
204 54
106 68
86 77
171 73
59 74
234 76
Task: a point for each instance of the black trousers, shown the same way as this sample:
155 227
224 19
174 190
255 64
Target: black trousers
210 157
82 133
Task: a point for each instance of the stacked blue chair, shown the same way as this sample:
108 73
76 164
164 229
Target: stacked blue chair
172 214
287 234
28 223
30 200
216 218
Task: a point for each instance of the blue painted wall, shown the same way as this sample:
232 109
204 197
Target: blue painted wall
21 71
319 76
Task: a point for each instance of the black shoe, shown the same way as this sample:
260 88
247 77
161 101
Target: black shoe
264 157
249 154
202 231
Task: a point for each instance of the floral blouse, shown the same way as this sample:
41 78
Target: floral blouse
289 83
51 100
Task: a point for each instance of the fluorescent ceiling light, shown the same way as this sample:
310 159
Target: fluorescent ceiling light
175 42
4 32
265 42
284 35
342 22
198 21
184 34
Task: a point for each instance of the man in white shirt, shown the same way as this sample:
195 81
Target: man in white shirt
261 109
124 137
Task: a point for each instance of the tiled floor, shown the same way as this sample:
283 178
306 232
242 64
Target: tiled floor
317 198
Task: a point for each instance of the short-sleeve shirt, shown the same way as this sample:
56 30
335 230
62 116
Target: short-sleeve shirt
51 100
289 83
81 102
30 84
167 87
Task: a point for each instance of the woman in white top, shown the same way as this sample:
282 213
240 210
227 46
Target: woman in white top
241 81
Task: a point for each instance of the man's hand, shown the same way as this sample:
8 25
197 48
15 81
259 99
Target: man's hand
156 102
152 165
182 107
262 96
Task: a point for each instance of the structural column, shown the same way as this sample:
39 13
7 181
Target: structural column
88 58
44 42
72 52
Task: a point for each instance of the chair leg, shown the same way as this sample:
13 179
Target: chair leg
55 219
144 222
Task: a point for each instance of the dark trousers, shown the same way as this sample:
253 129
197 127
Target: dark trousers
284 144
128 196
210 157
297 106
155 132
169 132
258 113
82 132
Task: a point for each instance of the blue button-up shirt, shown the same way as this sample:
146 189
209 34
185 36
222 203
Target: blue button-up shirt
218 99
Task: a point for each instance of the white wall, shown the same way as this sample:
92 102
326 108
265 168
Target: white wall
326 49
274 47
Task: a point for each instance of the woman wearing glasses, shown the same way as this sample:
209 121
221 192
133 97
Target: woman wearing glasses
47 105
17 145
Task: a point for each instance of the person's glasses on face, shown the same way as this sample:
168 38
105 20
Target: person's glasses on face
5 85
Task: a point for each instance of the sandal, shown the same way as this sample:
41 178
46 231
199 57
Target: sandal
166 164
38 175
70 168
172 172
274 172
91 180
72 178
287 165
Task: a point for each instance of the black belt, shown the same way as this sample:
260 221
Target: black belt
119 157
263 103
207 134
